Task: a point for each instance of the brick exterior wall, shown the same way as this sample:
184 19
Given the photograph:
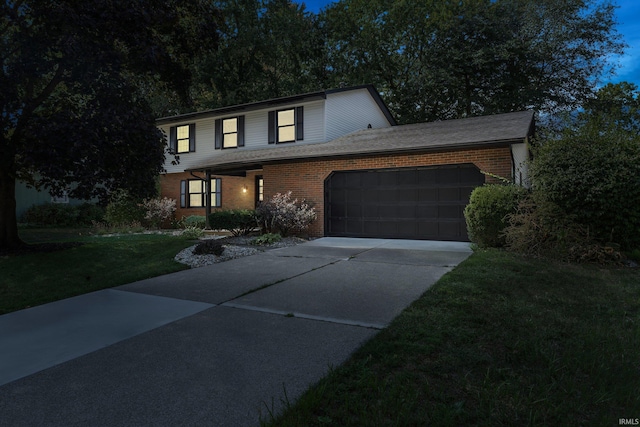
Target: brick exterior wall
305 179
232 196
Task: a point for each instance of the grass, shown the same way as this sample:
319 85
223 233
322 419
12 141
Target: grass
501 340
101 262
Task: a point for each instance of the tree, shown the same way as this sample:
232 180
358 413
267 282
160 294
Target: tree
267 49
439 60
73 113
591 169
614 106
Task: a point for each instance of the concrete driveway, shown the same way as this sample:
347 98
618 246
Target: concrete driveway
218 345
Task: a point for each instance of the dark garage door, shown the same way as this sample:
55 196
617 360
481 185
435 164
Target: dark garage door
408 203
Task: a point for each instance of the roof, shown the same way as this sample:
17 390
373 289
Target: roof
474 132
311 96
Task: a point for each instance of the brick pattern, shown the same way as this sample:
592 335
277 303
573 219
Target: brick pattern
232 197
305 179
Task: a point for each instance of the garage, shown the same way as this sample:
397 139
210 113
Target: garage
404 203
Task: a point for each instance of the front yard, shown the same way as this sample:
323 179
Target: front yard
99 263
501 340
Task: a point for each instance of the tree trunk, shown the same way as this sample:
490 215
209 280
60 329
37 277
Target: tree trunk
8 220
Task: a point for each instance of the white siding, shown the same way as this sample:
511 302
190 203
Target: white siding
205 145
313 122
520 153
350 111
256 133
324 120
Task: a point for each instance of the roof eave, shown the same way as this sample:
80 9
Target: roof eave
435 148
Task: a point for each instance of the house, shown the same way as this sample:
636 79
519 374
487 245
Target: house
27 196
342 151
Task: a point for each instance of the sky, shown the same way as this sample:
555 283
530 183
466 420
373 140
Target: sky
627 16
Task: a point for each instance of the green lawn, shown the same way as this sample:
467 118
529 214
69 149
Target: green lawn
101 262
500 341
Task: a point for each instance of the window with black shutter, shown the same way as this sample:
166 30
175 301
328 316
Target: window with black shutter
286 125
182 139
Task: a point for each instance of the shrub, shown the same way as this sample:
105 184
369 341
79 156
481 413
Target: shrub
123 209
267 239
102 228
237 221
208 247
487 210
159 210
62 215
192 232
593 176
194 221
285 215
540 228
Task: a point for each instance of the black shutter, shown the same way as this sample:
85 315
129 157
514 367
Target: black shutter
299 123
240 131
272 127
192 137
218 136
173 139
183 194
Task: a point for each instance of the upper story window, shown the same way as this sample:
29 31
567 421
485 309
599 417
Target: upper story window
230 132
182 139
286 125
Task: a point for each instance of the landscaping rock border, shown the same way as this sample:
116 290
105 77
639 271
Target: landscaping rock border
235 247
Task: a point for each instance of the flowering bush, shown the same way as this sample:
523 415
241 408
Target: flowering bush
158 210
285 215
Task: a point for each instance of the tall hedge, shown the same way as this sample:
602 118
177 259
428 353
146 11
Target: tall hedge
594 177
486 213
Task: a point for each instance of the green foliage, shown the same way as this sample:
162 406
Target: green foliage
63 215
285 215
209 247
465 58
74 109
593 177
540 228
192 232
267 239
614 107
261 54
124 209
193 221
237 221
487 210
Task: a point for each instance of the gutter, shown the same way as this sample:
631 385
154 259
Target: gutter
235 165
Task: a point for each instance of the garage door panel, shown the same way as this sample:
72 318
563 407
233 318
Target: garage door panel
448 212
338 210
450 230
407 195
354 227
354 180
354 210
447 176
430 211
422 203
448 194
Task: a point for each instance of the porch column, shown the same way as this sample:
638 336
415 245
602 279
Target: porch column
207 202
